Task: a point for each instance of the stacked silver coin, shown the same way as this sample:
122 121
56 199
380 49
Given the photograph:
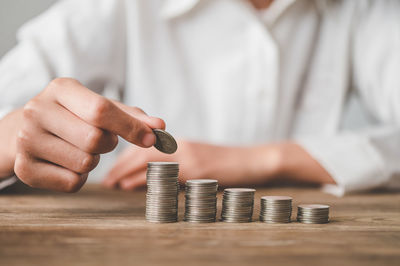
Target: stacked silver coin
162 192
201 200
313 213
237 205
276 209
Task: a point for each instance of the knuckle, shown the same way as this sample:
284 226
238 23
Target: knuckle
73 184
100 107
88 163
31 109
138 110
23 138
93 140
61 82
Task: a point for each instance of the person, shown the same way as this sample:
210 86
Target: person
254 90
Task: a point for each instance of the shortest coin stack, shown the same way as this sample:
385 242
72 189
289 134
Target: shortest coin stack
201 200
162 192
276 209
313 213
237 205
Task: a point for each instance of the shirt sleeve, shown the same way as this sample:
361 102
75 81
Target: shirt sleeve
84 40
362 160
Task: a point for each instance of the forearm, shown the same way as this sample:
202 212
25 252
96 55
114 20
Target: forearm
256 165
278 161
9 126
297 165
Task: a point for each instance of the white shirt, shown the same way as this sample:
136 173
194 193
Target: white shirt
222 72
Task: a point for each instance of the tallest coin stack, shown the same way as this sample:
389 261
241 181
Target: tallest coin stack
162 192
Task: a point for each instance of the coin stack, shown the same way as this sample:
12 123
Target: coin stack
313 213
201 200
162 192
276 209
237 205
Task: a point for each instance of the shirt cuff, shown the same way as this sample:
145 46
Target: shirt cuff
8 182
351 160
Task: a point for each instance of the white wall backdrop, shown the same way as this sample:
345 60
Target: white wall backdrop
13 13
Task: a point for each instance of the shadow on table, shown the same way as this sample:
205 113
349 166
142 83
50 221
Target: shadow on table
21 188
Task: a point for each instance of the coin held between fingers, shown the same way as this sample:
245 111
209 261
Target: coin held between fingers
165 142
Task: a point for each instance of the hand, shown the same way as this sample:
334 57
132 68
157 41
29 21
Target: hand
64 130
232 166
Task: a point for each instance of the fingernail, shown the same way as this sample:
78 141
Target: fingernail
149 139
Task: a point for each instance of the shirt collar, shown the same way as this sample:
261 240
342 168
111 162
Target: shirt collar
175 8
275 10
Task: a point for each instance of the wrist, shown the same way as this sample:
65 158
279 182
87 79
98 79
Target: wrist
9 127
271 159
299 166
291 156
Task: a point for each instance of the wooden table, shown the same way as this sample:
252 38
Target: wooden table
103 227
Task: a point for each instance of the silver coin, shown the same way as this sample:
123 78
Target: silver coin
274 204
312 219
276 198
197 220
201 182
163 164
234 220
282 214
236 214
195 195
275 220
200 206
313 222
239 190
165 142
163 176
201 203
313 206
313 213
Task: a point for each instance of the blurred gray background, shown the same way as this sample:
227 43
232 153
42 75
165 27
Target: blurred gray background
13 13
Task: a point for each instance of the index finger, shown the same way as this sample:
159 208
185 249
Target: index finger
101 112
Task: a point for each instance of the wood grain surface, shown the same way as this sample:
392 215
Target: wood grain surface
104 227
